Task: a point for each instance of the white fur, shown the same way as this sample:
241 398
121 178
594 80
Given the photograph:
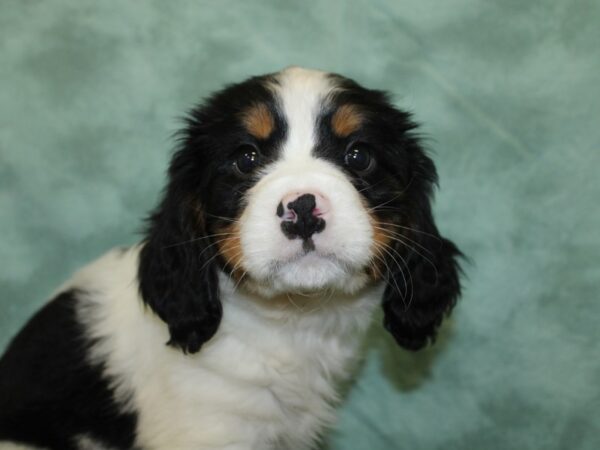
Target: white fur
274 263
4 445
86 442
301 92
265 381
277 264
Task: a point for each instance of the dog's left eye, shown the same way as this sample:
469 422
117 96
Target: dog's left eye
358 158
246 160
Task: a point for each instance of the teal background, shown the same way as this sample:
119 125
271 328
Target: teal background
509 96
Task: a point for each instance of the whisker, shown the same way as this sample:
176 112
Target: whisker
370 186
412 229
197 239
410 276
212 258
401 241
213 244
403 295
244 273
420 254
389 233
393 198
227 219
287 294
392 282
235 267
322 304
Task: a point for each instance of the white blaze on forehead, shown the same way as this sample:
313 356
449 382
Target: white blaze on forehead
302 93
276 264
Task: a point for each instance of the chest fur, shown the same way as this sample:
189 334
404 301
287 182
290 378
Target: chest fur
245 389
263 381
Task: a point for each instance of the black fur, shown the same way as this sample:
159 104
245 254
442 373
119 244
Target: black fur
179 263
422 271
50 393
424 287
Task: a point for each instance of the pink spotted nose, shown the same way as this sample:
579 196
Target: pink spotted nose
303 214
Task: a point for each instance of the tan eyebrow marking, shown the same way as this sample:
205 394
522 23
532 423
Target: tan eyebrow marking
346 120
259 121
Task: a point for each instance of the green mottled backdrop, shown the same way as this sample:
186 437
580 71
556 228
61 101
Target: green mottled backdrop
509 95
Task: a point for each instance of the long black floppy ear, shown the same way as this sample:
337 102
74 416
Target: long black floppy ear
178 274
423 285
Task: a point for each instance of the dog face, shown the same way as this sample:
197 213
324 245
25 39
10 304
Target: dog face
293 182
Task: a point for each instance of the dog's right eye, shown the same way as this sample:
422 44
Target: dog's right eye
246 160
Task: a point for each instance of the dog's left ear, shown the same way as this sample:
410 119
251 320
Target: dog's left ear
178 272
423 282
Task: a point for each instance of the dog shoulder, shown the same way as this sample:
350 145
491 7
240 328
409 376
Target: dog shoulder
51 388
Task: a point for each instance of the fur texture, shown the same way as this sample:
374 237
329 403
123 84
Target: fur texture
297 203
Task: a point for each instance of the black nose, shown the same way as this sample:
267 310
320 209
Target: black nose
305 223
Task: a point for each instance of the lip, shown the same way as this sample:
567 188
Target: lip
310 258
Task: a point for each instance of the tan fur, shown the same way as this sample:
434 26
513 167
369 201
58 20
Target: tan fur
346 120
381 241
259 121
230 247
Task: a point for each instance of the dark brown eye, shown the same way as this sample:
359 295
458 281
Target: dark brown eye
358 158
247 158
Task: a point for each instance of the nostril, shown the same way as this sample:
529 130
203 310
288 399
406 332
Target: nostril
303 205
300 216
286 213
290 216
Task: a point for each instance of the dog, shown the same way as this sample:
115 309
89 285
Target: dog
297 204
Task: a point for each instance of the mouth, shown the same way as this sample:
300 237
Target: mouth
310 270
310 255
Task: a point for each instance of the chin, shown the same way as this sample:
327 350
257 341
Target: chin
313 273
297 204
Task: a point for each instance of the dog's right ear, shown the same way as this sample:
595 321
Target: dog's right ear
178 272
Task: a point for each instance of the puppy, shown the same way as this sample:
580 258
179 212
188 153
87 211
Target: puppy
297 203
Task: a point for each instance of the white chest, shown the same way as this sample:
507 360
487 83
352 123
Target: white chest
246 389
267 380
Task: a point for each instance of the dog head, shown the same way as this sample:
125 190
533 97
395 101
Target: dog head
292 182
